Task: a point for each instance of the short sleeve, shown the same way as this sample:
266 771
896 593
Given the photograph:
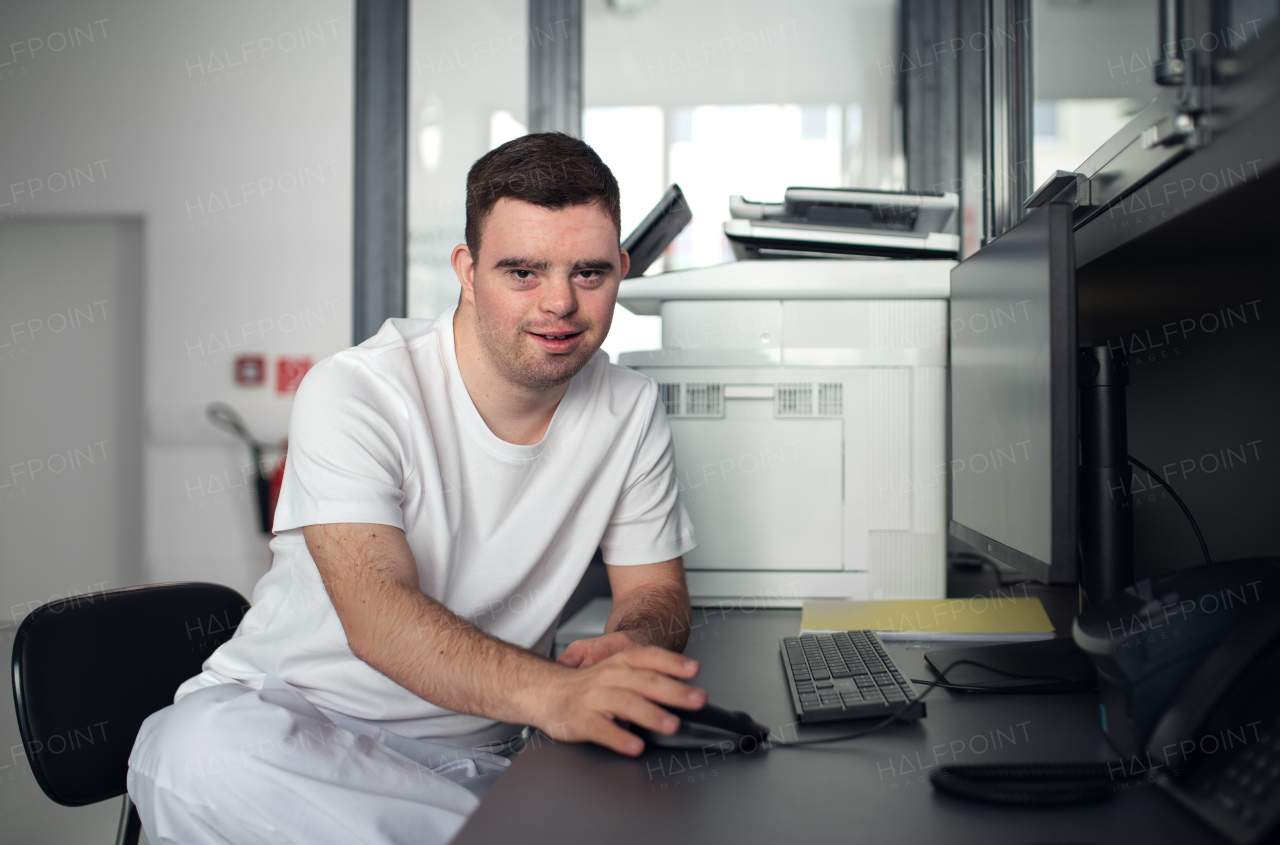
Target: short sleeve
649 524
347 461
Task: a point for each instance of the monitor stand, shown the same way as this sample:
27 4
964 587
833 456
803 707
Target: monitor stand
1105 480
1106 542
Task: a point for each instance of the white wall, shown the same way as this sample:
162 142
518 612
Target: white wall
70 408
226 128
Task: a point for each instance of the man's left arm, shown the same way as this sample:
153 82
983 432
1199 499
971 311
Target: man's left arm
650 607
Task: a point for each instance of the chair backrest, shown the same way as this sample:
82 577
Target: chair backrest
87 670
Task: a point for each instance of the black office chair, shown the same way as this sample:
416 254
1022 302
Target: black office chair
87 670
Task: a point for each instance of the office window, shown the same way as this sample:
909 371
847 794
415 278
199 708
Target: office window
1092 72
630 140
468 72
754 150
745 97
1066 132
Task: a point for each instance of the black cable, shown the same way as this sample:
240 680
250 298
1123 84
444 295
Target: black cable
1194 527
1042 689
1068 686
1071 684
857 734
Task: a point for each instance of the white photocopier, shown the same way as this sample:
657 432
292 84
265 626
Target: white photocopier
807 401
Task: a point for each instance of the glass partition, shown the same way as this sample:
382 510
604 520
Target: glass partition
468 71
1093 70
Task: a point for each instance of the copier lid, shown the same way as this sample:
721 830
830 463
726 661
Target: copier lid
783 279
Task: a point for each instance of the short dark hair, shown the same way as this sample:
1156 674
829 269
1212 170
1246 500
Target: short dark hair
550 169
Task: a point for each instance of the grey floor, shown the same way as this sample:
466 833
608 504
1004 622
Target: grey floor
27 817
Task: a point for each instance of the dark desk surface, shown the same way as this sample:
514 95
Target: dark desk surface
877 786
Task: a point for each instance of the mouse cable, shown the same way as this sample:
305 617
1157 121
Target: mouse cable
1194 527
857 734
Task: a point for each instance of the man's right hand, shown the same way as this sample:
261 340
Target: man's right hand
584 705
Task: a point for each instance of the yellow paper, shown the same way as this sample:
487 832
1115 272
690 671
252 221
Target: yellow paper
1000 617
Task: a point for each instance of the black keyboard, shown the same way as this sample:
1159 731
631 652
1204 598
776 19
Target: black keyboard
846 675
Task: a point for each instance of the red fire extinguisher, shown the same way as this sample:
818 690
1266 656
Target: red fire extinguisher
266 489
277 479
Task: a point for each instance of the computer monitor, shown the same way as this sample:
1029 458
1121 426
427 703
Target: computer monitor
1014 399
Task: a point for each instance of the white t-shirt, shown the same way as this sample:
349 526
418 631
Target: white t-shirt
386 433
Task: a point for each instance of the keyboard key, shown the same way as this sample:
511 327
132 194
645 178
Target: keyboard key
824 709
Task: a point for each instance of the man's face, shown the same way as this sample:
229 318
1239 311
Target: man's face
544 288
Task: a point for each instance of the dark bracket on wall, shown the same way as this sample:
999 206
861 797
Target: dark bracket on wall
380 165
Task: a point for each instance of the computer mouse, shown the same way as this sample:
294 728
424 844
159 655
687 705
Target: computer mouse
711 726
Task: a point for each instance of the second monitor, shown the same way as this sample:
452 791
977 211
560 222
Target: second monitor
1014 405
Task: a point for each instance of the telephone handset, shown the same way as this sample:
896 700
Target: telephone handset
1189 674
1219 742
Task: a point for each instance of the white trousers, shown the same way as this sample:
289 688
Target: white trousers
232 765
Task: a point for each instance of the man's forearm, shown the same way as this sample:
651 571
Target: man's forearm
656 616
436 654
370 575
